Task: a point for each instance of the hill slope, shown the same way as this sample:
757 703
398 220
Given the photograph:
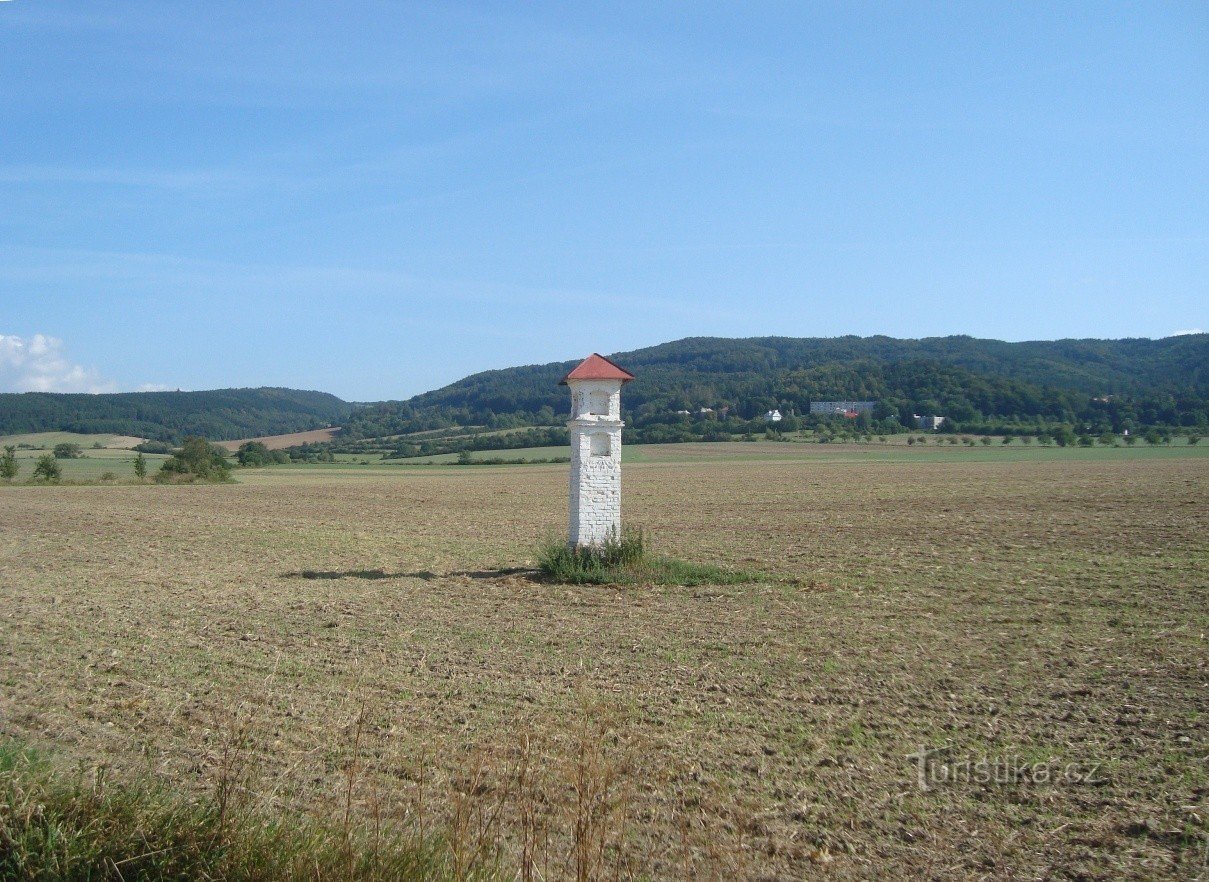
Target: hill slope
218 414
1146 381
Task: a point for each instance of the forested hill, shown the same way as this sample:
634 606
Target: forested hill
1114 383
220 414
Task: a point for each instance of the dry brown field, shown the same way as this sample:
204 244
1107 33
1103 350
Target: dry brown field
281 442
363 638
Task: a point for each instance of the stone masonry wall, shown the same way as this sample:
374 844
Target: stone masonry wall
595 513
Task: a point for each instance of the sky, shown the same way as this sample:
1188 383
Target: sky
374 199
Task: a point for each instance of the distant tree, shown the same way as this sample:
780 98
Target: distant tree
197 459
986 440
1026 439
1152 436
67 450
109 476
48 469
140 466
154 447
1193 439
8 463
1131 440
911 440
1007 439
97 445
1108 439
253 454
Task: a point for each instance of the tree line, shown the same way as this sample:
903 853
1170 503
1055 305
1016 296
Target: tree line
704 388
171 416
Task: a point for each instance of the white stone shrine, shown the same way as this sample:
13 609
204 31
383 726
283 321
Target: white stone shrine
595 428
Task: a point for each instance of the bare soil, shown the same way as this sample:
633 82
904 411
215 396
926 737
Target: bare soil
281 442
1040 614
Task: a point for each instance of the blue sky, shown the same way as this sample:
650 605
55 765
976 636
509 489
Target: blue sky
374 199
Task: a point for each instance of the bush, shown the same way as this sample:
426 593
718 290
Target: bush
254 454
8 463
153 447
67 450
625 561
47 469
197 459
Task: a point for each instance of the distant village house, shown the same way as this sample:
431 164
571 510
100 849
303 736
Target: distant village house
841 408
928 422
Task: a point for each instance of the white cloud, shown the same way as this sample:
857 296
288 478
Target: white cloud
1186 332
39 364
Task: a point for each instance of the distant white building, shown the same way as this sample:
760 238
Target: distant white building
928 422
773 416
841 407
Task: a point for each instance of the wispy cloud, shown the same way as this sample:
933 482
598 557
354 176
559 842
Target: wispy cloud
1186 332
40 364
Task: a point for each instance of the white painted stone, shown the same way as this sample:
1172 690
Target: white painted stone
595 428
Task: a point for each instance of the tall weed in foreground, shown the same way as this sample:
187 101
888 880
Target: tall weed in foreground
560 562
62 826
554 805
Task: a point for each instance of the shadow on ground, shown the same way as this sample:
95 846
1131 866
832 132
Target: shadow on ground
419 574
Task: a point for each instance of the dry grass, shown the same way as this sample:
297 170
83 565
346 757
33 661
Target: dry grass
1046 610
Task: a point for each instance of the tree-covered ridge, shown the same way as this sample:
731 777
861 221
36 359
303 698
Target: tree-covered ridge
1111 383
220 414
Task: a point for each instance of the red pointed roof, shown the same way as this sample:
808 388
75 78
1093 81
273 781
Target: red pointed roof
597 367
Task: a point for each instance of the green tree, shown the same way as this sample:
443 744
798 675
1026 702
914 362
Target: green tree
1063 436
67 450
1193 439
197 459
140 466
48 469
8 463
253 455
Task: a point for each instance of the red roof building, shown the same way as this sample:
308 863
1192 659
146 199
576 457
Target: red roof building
597 367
